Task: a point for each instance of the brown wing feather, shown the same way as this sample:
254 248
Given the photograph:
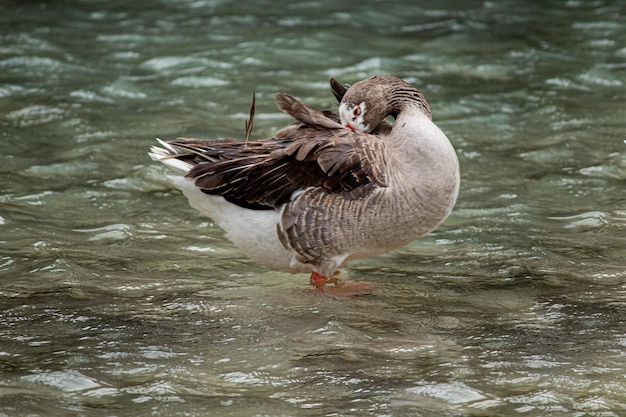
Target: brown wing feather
305 114
338 90
264 174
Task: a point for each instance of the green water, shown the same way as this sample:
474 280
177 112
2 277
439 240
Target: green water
118 299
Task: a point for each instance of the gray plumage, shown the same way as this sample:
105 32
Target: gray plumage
335 193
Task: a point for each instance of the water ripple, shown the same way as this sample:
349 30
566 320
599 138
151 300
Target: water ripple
35 115
118 298
66 381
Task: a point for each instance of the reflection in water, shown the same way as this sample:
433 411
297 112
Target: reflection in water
118 297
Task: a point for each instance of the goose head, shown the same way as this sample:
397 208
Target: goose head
364 105
367 103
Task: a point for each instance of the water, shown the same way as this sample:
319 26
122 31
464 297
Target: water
118 299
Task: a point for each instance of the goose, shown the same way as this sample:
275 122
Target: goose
329 188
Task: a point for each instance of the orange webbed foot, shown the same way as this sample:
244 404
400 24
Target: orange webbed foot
318 280
341 289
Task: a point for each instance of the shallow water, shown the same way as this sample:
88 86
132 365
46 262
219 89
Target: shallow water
118 299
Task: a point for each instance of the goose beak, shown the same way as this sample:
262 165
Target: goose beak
349 126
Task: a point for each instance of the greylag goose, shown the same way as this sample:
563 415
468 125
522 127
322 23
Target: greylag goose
330 187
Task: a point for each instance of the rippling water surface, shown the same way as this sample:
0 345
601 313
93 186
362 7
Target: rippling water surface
118 299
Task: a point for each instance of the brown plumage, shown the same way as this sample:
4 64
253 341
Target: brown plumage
264 174
330 193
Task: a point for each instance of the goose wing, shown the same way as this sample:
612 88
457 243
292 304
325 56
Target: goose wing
316 151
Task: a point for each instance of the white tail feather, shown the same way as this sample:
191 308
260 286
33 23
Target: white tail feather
165 155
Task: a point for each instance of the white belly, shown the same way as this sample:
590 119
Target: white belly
252 231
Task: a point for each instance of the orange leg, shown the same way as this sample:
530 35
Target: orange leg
341 289
318 280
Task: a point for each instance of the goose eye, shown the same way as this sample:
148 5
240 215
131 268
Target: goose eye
356 112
